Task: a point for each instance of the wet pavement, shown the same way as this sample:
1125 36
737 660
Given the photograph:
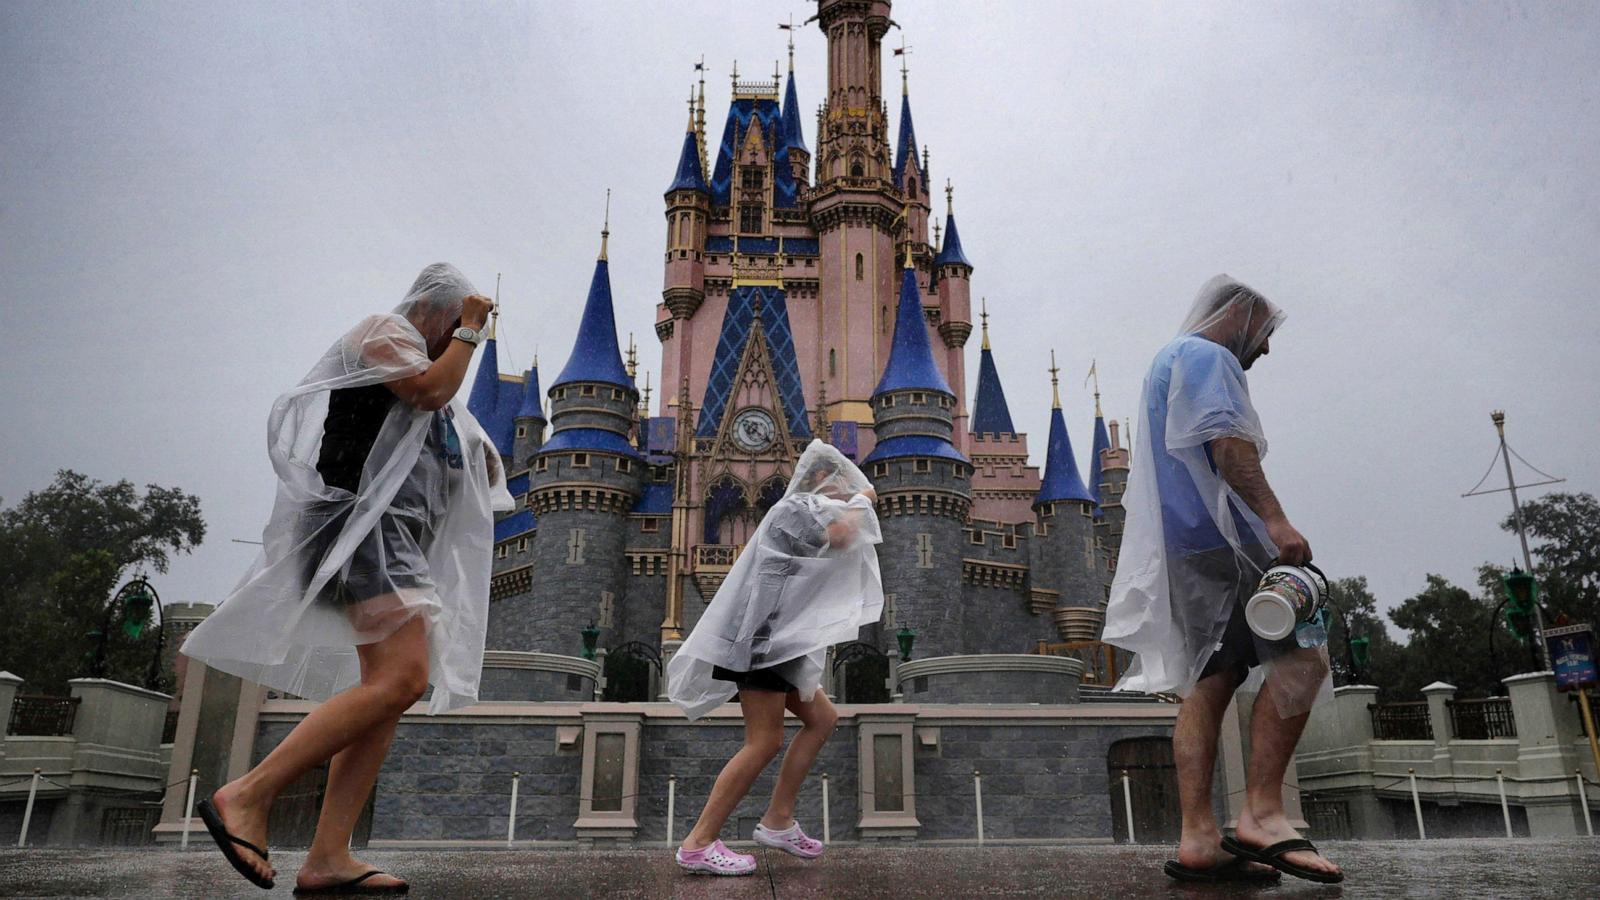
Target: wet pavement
1479 869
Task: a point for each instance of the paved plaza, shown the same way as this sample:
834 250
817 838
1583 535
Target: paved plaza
1479 869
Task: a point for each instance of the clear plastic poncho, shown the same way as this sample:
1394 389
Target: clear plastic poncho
807 579
1191 548
420 517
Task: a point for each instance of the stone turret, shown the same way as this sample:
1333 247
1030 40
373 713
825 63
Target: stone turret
1065 559
1114 463
585 479
530 421
923 484
1004 486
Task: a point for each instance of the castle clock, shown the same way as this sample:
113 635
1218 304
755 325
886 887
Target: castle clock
754 430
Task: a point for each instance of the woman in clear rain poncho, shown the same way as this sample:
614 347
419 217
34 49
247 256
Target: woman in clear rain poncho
807 579
373 580
1202 526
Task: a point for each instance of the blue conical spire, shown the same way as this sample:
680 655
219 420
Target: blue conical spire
794 137
990 414
906 150
1102 443
532 400
1061 478
911 366
595 355
950 251
484 401
689 177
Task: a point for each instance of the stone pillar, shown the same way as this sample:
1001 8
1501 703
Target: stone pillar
217 718
609 786
9 684
1547 743
886 776
1439 696
116 752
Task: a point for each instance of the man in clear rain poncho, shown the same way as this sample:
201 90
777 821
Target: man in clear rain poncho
807 579
373 579
1202 526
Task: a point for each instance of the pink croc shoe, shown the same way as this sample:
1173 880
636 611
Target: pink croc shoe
790 840
716 859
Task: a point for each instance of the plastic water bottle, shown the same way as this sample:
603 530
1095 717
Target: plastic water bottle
1314 632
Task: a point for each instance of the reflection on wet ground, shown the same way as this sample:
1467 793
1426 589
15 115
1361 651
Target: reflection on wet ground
1479 869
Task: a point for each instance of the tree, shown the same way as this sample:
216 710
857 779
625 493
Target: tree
1453 638
63 551
1567 553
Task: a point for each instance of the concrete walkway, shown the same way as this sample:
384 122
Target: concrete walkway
1479 869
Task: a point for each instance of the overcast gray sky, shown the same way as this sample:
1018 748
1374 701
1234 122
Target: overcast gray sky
197 198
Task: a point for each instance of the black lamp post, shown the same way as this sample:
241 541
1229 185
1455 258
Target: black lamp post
140 605
905 637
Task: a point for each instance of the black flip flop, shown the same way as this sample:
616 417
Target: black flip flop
226 843
1234 870
1273 856
356 885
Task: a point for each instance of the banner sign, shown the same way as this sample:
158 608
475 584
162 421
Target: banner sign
1572 656
662 435
844 438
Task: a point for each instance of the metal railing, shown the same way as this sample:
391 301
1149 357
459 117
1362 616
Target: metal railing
716 557
1481 720
41 715
1404 721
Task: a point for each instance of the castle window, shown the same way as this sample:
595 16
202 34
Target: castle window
961 471
558 394
586 390
911 187
659 475
750 217
883 319
1009 540
624 465
919 398
522 544
833 362
856 171
880 470
542 464
650 526
500 551
1087 509
752 179
683 229
922 466
861 267
522 431
580 460
888 401
975 536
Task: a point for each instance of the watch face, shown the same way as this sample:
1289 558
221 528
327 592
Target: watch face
754 430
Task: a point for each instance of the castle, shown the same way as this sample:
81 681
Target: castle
802 299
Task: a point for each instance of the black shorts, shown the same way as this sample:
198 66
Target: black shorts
1236 652
754 680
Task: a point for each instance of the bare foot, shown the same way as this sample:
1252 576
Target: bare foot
1267 830
317 874
1204 851
246 819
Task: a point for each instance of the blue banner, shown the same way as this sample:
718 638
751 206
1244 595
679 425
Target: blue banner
662 435
844 438
1572 656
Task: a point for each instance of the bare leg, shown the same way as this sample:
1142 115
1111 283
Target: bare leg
817 718
395 676
763 736
1194 750
1272 742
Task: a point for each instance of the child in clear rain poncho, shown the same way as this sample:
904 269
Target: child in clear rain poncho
807 579
373 580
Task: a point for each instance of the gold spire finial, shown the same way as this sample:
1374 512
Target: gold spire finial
1055 385
494 313
700 114
691 109
909 263
984 315
949 198
633 357
789 27
936 245
904 52
605 230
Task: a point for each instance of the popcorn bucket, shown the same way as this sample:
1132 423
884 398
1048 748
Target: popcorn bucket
1286 597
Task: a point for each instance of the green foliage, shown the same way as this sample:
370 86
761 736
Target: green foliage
64 550
1454 637
1564 531
1350 601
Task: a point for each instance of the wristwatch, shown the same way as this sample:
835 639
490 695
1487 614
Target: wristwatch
468 335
